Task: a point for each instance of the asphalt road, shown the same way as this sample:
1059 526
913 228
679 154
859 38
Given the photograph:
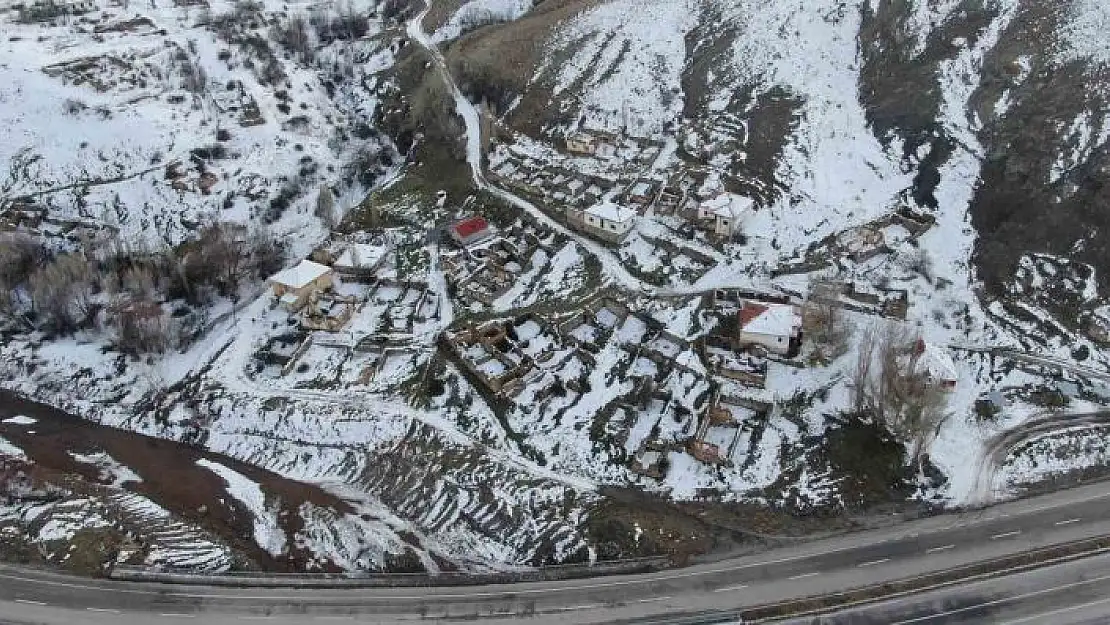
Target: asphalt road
1068 594
820 567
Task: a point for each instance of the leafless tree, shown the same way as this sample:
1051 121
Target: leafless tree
61 293
325 207
889 384
825 325
294 36
19 254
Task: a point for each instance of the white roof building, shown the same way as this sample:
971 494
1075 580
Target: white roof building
611 212
301 275
727 211
774 326
936 364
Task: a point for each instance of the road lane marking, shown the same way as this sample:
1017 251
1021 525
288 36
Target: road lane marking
1068 522
105 610
995 602
873 562
939 549
1005 534
804 575
502 614
653 599
571 608
728 588
29 602
176 615
1040 618
116 588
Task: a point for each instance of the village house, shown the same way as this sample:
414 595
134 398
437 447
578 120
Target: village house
469 231
724 214
294 285
606 221
582 143
936 365
776 327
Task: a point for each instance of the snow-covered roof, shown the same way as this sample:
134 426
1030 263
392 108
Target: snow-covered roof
300 275
728 205
611 212
937 362
362 255
770 319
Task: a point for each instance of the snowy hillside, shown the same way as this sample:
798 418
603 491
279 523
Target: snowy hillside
151 118
684 249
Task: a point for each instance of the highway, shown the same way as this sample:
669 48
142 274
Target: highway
703 593
1071 594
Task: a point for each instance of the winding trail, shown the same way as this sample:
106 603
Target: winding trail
1002 445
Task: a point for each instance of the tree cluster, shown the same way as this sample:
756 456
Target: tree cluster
124 288
889 385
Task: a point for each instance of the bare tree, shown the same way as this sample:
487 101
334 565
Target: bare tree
61 293
824 324
890 384
861 376
325 207
18 256
141 327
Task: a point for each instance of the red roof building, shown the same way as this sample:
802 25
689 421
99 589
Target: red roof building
470 230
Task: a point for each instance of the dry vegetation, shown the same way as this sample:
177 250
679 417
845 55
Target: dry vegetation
888 386
148 300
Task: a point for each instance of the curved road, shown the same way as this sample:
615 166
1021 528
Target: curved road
1002 445
701 593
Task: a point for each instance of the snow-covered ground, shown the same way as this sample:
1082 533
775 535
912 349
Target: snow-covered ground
267 533
496 484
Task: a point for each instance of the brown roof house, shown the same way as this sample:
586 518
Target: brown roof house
294 285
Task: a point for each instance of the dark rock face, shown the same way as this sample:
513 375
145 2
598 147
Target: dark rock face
1043 184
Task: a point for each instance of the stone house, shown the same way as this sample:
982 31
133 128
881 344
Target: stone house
294 285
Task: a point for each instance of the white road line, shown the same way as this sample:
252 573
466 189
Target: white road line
682 574
873 562
1003 600
255 618
174 615
804 575
1005 534
571 608
105 610
653 599
29 602
728 588
1040 618
502 613
939 549
1068 522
